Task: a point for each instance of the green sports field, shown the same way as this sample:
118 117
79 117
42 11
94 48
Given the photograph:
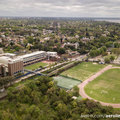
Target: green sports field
83 70
106 87
35 66
67 83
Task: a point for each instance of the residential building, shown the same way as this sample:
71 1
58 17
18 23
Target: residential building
76 45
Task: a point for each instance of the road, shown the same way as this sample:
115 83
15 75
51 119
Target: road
84 83
72 59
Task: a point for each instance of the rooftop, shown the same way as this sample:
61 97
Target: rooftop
31 54
6 60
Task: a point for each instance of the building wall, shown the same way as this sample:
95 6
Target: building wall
0 69
33 61
34 58
15 68
3 71
15 65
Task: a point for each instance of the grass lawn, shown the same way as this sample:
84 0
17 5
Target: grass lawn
83 70
35 66
106 87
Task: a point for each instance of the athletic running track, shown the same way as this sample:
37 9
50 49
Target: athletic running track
84 83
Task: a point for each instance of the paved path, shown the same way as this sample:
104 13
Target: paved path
84 83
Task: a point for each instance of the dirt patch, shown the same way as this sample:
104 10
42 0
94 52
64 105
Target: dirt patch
94 63
48 62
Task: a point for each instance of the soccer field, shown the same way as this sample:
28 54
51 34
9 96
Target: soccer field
67 83
35 66
83 70
105 88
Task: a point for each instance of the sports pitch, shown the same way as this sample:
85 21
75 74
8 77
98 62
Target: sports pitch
106 87
83 70
35 66
67 83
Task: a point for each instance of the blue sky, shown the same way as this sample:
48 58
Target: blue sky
60 8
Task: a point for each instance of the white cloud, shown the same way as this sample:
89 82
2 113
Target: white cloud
65 8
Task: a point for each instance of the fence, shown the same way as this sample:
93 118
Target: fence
58 71
71 78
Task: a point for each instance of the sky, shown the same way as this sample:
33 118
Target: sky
60 8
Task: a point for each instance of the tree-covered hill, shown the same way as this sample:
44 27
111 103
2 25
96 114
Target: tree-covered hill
43 100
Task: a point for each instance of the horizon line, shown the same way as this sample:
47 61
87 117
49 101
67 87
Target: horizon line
58 17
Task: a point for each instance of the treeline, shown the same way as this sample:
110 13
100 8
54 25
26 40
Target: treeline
109 58
116 51
43 100
5 81
96 52
65 67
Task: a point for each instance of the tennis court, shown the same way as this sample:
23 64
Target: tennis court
66 82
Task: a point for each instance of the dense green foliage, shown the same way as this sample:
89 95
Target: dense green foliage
116 51
109 59
43 100
4 81
35 31
95 52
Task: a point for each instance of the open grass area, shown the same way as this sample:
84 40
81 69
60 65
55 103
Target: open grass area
106 87
67 83
83 70
35 66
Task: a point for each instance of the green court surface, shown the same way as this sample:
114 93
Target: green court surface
67 83
83 70
35 66
106 87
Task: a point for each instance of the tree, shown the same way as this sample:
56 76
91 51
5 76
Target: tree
4 81
93 53
75 91
104 48
61 51
42 96
112 58
107 60
30 39
116 51
116 45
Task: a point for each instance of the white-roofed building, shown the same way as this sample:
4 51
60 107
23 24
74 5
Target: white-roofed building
12 64
52 55
33 57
